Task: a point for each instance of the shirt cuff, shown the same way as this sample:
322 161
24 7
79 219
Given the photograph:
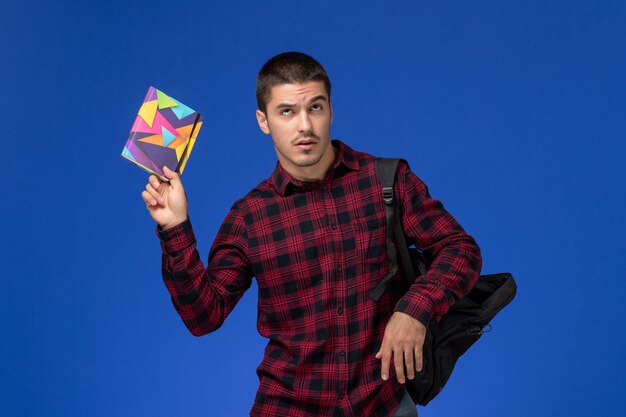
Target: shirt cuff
176 239
419 307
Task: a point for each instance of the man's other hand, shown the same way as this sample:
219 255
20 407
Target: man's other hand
403 340
166 201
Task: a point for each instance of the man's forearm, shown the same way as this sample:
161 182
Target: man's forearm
186 280
456 259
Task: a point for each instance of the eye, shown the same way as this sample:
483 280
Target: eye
316 107
286 112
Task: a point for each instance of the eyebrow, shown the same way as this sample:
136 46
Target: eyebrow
314 99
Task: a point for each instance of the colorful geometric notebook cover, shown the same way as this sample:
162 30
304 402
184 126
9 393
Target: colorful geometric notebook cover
164 133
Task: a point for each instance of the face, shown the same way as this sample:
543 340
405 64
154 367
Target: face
298 117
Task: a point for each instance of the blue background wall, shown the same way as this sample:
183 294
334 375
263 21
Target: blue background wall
512 112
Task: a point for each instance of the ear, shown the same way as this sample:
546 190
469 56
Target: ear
261 118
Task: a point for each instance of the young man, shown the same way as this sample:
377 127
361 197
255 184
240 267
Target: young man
314 236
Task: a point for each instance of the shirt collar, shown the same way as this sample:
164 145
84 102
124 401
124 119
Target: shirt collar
346 157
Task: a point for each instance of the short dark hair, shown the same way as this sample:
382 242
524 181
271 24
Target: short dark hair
288 68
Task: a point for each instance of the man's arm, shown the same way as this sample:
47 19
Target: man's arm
202 296
453 272
456 259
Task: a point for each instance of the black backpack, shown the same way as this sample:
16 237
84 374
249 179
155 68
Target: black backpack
449 338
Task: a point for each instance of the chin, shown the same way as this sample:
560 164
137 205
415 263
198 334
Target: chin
308 161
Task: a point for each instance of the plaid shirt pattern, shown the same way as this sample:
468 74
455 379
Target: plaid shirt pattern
317 250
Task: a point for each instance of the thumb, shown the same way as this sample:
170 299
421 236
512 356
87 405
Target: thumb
171 175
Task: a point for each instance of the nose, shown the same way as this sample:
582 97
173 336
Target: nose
304 122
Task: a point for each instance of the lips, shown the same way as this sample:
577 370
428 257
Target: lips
305 142
305 146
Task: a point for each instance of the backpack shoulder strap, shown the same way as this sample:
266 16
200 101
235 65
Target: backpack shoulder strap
386 171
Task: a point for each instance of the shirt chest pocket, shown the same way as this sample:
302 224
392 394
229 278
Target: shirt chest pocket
371 239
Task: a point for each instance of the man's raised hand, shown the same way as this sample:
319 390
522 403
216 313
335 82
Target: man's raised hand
166 201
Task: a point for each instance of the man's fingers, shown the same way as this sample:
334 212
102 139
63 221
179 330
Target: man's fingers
171 175
385 355
403 341
399 365
154 193
408 361
419 361
148 199
154 181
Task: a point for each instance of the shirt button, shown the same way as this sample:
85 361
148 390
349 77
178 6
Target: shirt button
339 268
341 395
333 226
342 353
323 188
340 310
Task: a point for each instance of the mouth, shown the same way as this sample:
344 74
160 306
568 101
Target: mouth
305 144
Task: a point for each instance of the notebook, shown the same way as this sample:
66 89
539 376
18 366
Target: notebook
163 134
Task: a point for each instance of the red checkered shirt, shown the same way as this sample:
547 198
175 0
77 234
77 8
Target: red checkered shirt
317 250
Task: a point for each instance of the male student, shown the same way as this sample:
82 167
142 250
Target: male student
314 236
